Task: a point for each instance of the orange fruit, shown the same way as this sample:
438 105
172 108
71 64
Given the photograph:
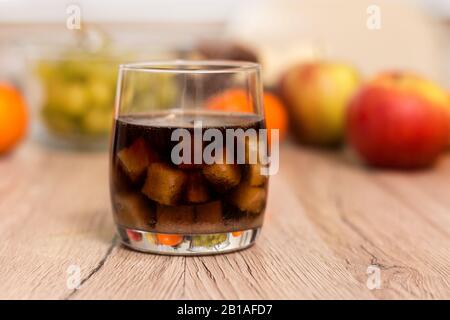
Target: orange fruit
169 239
448 95
276 116
236 233
13 117
236 100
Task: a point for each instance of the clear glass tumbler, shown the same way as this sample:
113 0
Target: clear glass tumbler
187 177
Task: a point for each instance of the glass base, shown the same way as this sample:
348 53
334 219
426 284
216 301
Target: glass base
187 244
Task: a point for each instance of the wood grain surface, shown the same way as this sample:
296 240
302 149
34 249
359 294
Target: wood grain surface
328 219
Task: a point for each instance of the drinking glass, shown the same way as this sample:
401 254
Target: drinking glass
186 171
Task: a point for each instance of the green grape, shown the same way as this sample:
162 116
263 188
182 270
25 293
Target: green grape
101 95
97 122
57 122
46 70
208 240
72 99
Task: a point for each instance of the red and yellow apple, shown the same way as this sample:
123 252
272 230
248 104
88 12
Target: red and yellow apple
448 100
316 95
399 120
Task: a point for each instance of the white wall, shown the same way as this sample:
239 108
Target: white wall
118 10
286 30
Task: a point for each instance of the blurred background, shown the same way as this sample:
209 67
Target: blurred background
46 46
414 34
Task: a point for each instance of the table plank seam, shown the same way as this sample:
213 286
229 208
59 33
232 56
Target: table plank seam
97 268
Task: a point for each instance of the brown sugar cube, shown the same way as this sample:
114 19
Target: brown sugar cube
249 199
174 219
132 211
190 166
254 177
251 151
136 158
196 188
164 184
208 217
248 221
222 176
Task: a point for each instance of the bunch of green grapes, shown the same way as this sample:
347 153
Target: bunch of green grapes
79 95
80 92
149 91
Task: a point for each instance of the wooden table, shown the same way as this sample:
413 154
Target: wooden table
329 221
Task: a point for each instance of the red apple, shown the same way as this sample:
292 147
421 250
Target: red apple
399 120
316 95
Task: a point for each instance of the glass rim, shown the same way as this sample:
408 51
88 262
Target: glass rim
181 66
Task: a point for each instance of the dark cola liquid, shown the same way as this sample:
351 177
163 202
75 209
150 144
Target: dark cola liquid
151 193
